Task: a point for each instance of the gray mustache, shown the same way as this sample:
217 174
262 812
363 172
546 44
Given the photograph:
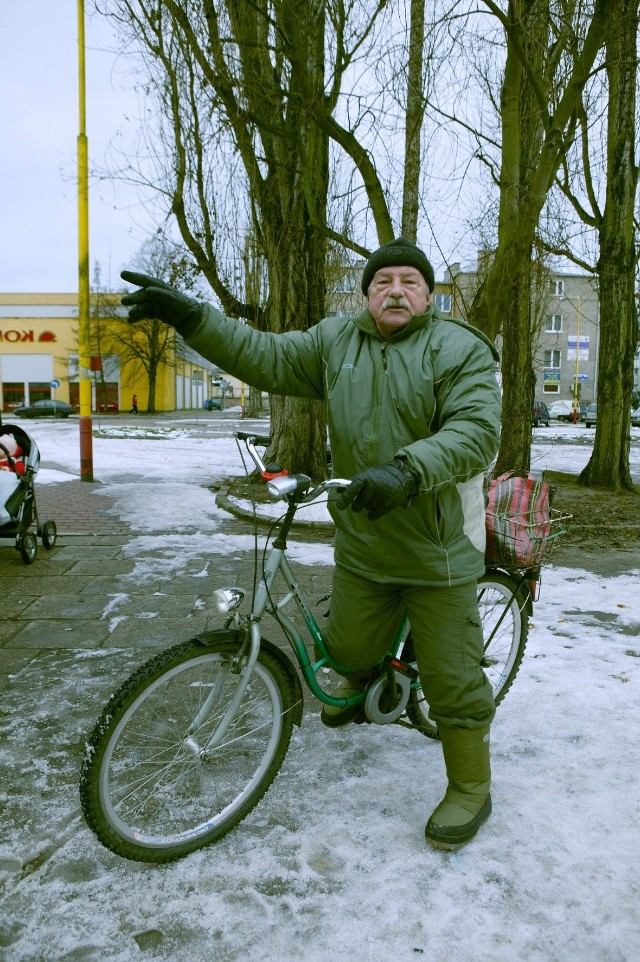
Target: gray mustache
395 302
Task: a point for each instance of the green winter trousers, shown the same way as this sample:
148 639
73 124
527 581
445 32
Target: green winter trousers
447 636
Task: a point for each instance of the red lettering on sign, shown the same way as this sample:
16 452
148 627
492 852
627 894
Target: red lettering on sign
22 337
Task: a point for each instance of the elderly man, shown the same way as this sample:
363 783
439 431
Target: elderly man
413 411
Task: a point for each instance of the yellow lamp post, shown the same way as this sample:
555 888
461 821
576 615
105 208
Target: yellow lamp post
86 439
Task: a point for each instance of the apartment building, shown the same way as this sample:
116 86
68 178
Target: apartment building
566 318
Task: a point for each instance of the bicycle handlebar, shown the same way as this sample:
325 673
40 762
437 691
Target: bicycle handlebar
282 487
262 440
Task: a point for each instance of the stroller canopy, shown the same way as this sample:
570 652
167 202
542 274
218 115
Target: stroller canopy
28 447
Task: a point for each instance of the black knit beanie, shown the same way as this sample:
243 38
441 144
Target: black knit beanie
398 253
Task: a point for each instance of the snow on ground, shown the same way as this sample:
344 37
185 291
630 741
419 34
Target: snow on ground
332 865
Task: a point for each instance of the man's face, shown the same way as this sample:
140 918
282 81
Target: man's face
395 294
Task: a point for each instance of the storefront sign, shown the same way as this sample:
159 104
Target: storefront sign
25 337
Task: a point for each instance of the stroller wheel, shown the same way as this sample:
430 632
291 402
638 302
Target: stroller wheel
28 547
49 534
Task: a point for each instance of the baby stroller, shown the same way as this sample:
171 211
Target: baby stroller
19 463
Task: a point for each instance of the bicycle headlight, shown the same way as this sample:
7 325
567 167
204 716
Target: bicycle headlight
227 599
279 488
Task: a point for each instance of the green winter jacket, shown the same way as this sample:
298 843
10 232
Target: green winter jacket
428 394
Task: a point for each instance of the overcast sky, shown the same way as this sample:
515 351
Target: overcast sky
39 128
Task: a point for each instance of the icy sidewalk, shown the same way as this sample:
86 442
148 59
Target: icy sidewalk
332 865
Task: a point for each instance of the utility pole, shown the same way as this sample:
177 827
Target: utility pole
86 436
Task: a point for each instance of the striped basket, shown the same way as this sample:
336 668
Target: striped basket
521 524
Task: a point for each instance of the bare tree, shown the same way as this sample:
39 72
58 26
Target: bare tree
241 87
609 464
150 346
606 164
547 66
146 347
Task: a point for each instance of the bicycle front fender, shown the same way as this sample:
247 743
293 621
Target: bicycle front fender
235 636
523 590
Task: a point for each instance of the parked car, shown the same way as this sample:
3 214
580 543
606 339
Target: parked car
44 409
540 414
213 404
591 416
563 410
635 418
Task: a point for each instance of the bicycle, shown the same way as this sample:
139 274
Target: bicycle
190 743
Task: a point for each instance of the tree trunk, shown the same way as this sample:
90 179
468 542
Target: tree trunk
608 466
518 378
299 433
253 403
414 116
533 145
292 223
151 397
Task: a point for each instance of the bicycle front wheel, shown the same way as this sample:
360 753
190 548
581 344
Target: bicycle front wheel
152 789
505 626
503 614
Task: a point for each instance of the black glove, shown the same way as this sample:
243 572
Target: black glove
380 489
159 300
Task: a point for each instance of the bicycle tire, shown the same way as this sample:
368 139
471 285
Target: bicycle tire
505 643
145 794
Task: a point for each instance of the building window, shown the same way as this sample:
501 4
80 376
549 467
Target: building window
551 387
443 303
554 323
557 288
13 395
552 358
39 391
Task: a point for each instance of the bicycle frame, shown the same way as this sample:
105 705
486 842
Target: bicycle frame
295 491
277 562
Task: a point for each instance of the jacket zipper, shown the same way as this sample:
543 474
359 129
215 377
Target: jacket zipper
378 390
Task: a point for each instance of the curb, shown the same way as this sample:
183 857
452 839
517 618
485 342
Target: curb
265 521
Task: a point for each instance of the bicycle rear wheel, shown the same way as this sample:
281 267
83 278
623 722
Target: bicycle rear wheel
505 626
150 788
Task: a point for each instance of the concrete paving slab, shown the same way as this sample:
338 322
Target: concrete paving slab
59 633
33 587
46 563
8 628
67 605
15 601
86 566
94 552
152 606
144 633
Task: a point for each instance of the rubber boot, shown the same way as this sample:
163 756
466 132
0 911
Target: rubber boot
467 802
333 716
